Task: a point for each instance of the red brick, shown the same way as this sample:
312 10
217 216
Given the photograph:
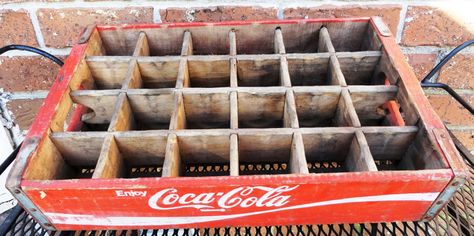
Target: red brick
26 73
466 138
216 14
16 28
459 72
24 111
435 27
421 63
61 27
389 13
450 111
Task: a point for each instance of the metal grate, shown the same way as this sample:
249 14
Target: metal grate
326 167
457 218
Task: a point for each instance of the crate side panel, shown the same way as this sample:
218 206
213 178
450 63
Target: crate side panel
231 201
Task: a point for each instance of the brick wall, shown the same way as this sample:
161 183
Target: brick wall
426 31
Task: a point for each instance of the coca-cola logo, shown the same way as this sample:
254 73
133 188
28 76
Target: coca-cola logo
244 197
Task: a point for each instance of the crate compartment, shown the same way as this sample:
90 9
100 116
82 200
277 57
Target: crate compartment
371 104
402 148
389 146
323 107
327 150
331 150
106 74
202 44
255 39
360 68
251 114
99 108
168 41
209 72
308 34
158 73
132 155
310 70
155 73
151 109
58 159
194 154
267 153
203 110
258 72
155 42
361 38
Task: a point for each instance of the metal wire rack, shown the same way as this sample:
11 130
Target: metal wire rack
457 218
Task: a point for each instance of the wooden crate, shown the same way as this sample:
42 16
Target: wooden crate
232 124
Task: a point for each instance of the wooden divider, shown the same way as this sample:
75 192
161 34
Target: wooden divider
359 157
279 45
288 108
346 114
234 110
133 78
172 164
233 61
234 155
325 44
178 117
122 118
110 163
142 48
290 117
298 163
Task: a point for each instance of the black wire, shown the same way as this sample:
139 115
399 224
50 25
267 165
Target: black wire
31 49
9 159
451 92
56 60
10 220
426 84
446 59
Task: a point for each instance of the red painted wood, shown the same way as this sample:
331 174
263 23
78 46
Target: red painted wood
287 199
42 122
75 123
430 118
317 198
394 116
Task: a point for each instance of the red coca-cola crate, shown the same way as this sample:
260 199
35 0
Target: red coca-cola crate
235 123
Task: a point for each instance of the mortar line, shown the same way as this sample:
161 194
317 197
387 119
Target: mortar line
199 3
401 22
433 49
156 15
281 12
140 3
13 128
440 56
36 94
36 26
431 91
460 127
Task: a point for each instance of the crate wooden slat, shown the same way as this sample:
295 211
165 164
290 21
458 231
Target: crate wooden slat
232 124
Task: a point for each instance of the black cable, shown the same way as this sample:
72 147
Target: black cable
56 60
31 49
426 84
9 159
10 220
446 59
451 92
